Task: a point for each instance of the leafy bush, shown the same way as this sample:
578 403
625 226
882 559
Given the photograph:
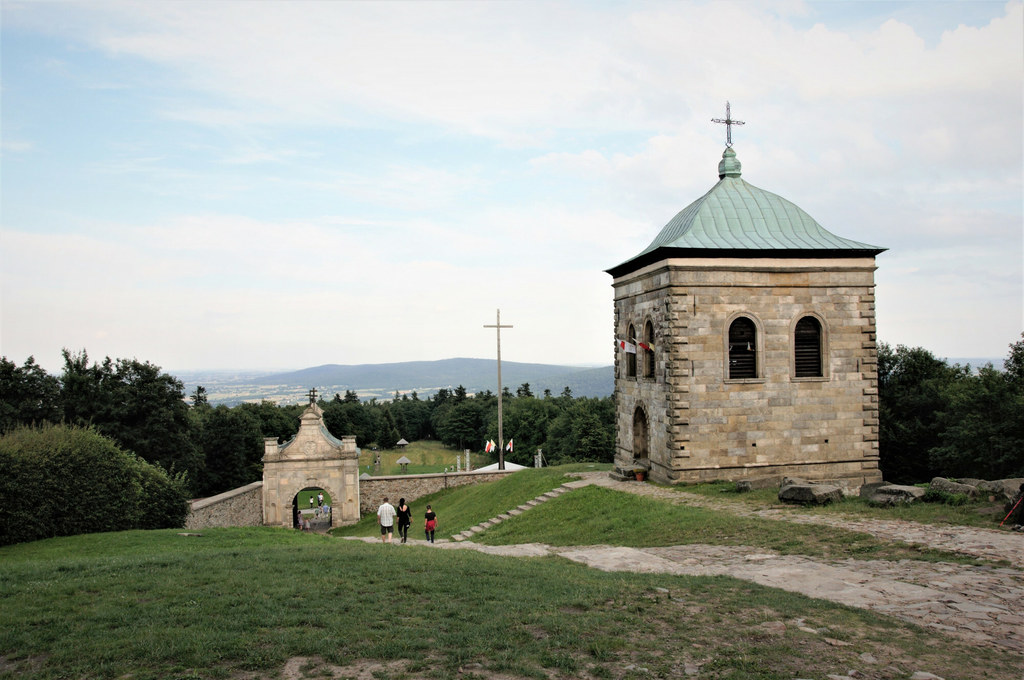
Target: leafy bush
163 503
60 481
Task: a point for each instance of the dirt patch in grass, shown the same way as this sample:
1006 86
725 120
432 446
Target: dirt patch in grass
311 668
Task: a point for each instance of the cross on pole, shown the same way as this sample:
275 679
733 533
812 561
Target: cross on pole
501 443
729 122
312 396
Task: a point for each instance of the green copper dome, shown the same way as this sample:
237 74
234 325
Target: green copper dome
736 219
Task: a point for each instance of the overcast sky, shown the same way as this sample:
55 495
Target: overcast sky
229 185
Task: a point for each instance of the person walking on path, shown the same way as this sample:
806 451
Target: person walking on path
386 519
404 519
430 525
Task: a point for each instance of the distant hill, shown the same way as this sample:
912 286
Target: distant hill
381 381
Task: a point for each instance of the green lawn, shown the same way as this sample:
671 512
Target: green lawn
617 518
238 603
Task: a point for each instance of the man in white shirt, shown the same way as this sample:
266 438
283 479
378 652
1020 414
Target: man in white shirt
386 518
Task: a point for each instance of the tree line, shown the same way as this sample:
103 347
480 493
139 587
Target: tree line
946 420
216 448
935 419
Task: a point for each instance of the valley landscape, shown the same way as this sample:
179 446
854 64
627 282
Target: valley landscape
382 381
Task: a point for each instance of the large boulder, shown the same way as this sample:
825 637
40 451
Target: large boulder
971 481
893 494
810 494
951 487
847 487
1002 489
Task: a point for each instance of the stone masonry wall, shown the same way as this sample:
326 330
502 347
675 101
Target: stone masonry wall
702 425
372 490
241 507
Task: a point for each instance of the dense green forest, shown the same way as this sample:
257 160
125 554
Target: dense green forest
217 448
935 418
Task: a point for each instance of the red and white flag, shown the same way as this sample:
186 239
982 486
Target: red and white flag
644 345
489 446
508 447
629 347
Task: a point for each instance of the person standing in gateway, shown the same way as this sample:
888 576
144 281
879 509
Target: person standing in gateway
386 518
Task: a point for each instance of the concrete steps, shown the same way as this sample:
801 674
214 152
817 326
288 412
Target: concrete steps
554 493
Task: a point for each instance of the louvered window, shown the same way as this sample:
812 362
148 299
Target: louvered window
742 349
631 356
649 353
807 348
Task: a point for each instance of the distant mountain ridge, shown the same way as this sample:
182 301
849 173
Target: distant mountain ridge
476 375
381 381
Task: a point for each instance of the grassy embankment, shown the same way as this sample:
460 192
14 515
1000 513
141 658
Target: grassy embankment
238 601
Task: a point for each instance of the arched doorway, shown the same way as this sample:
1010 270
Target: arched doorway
641 440
313 505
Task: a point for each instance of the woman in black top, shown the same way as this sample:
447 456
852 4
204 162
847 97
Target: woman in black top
430 524
404 519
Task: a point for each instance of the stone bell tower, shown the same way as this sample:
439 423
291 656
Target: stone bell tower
745 344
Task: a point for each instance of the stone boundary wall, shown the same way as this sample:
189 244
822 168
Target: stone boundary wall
241 507
372 490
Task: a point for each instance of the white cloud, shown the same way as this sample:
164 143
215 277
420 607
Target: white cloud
361 168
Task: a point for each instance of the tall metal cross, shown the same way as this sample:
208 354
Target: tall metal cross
312 396
501 442
729 122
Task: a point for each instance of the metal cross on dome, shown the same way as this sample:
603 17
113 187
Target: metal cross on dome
729 122
312 396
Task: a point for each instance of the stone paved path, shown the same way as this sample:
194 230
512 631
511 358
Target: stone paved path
982 604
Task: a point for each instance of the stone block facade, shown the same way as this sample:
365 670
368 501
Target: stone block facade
684 418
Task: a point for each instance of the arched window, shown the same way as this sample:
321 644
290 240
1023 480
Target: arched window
807 348
742 349
631 356
649 351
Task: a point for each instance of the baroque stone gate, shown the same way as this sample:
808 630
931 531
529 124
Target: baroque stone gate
316 459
